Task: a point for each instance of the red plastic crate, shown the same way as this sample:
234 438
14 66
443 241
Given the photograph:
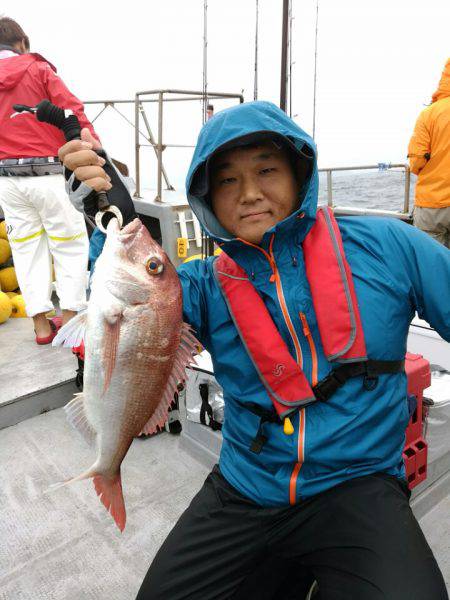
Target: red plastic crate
415 450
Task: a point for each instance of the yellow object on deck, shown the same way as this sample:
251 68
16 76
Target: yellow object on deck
8 279
3 234
5 251
5 307
288 427
18 307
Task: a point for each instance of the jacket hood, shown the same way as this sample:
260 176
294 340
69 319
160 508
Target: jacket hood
443 90
14 68
236 126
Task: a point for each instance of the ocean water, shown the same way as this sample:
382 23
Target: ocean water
367 189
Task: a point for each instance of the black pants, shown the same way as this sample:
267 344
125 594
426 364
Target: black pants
359 540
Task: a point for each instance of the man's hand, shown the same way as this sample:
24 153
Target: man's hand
79 156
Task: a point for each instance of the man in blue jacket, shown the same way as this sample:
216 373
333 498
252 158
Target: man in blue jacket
324 496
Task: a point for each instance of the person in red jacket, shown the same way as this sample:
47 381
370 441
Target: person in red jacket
42 225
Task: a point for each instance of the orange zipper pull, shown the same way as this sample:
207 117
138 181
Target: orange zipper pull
272 278
306 330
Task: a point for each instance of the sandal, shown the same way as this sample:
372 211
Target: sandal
55 324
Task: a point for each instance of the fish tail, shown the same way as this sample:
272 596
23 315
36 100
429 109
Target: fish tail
109 490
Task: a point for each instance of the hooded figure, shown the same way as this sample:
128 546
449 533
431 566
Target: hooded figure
429 159
329 499
357 432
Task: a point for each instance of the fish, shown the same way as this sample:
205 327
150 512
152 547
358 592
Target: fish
136 350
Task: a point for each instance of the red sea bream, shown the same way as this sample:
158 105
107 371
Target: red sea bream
136 350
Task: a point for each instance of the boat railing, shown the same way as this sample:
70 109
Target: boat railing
404 214
162 96
159 97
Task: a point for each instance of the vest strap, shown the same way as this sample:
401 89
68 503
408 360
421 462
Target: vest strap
323 391
371 369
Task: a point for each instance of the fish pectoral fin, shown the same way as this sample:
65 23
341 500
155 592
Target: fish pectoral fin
184 356
76 415
110 346
73 332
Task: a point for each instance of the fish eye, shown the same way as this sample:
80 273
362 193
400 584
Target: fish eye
153 265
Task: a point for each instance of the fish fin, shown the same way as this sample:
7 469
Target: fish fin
184 356
73 332
86 475
111 496
76 415
111 343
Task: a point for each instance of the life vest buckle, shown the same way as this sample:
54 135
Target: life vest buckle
370 380
327 386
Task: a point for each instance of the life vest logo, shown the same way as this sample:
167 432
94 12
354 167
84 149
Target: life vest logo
278 370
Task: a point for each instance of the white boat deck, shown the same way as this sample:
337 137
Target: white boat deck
63 545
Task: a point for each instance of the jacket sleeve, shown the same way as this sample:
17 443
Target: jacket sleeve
413 255
60 95
419 145
192 277
96 243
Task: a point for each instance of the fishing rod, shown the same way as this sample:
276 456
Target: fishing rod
97 203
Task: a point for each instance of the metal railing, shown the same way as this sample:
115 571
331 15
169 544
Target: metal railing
186 95
183 95
405 214
157 145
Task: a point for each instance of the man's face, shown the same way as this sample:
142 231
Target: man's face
252 189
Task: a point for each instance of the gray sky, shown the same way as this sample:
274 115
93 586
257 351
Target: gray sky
378 64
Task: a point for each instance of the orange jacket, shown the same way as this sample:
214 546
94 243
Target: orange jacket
429 148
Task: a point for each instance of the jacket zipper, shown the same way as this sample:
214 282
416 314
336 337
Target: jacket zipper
312 347
302 414
275 277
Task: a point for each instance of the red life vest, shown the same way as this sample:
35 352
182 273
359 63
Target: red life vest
337 313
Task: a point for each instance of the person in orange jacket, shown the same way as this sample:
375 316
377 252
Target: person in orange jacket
429 159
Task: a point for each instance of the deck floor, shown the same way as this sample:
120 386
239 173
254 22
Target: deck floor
63 545
25 367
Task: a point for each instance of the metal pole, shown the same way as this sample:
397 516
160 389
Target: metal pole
329 189
205 59
290 59
315 72
136 147
160 146
407 189
255 90
284 54
152 141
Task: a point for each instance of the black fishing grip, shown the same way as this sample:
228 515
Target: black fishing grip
46 112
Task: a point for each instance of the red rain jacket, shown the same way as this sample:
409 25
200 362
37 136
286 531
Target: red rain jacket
28 79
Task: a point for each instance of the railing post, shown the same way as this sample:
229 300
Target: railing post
329 189
160 146
137 193
407 189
